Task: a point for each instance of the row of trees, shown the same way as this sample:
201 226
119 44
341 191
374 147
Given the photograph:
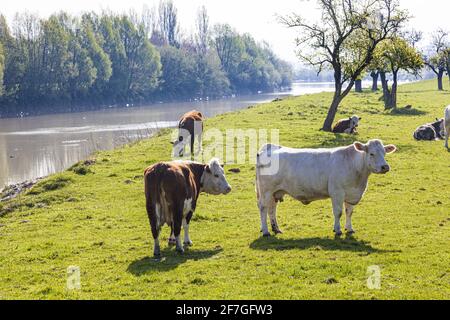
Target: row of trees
97 59
358 37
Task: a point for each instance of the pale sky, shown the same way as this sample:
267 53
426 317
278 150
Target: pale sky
256 17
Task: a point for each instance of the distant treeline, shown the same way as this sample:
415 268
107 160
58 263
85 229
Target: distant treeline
70 62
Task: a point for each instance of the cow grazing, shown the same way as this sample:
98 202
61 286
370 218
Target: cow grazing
430 131
447 126
172 190
309 175
189 127
348 126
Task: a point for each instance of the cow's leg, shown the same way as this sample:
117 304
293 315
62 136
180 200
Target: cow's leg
178 220
186 222
349 213
338 203
264 204
192 146
199 148
172 240
447 134
273 217
153 211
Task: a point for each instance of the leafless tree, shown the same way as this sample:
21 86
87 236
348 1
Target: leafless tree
168 22
438 59
345 40
203 32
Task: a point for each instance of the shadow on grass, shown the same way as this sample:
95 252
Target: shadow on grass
347 244
406 112
170 261
339 140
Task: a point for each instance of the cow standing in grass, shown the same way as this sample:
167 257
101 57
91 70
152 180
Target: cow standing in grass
447 126
309 175
190 128
172 190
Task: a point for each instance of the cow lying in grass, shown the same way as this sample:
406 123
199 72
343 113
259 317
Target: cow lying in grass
348 126
430 131
447 125
308 175
172 190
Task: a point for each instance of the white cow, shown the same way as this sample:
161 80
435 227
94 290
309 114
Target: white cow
447 126
309 175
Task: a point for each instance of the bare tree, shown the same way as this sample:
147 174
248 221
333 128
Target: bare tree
168 22
203 32
438 59
148 20
345 40
412 36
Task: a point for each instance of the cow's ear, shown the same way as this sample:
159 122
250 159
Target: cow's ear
360 119
208 169
390 149
223 166
360 147
172 143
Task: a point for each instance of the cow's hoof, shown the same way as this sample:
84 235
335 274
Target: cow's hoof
188 244
278 231
172 242
266 235
157 255
350 232
180 250
338 233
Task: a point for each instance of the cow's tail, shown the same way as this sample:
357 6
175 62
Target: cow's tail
263 162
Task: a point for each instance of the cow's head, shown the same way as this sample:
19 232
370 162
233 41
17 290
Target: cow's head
440 124
354 122
375 153
178 147
213 179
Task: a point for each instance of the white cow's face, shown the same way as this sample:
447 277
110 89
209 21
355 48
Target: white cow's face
354 122
375 153
213 180
442 128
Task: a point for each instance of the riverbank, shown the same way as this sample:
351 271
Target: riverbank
93 216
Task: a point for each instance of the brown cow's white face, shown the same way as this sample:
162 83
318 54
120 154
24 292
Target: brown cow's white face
375 153
213 180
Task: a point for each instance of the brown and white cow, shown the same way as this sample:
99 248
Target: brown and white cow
308 175
349 126
190 127
172 190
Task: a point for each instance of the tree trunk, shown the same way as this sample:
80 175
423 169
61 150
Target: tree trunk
386 92
327 126
394 91
390 98
358 86
440 76
374 76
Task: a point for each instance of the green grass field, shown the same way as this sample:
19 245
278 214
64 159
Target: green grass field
98 222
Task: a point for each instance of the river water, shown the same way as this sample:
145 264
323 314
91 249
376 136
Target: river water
35 147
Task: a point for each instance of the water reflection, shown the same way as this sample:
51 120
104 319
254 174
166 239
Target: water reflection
38 146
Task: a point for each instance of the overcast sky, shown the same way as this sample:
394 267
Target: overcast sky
254 16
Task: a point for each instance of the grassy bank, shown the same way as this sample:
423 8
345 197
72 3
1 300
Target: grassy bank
94 217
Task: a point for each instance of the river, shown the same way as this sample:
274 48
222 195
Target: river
35 147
